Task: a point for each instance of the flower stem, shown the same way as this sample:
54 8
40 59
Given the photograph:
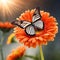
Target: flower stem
41 53
1 51
1 47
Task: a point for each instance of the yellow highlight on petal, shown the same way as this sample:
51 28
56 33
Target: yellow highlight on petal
10 38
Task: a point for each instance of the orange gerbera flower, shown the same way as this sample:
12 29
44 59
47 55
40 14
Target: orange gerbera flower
41 37
16 54
6 25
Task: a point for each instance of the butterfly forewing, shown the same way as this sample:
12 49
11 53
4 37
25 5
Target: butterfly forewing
30 30
16 22
39 24
36 15
24 24
21 23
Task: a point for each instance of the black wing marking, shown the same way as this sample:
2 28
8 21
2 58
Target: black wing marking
36 15
30 30
21 23
39 24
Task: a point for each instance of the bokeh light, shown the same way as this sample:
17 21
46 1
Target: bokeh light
10 7
4 2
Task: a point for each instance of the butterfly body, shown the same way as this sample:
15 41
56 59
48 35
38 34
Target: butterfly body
31 27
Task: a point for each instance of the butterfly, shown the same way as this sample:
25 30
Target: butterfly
31 27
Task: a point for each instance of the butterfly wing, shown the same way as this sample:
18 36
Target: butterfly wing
39 24
36 15
21 23
30 30
36 20
24 24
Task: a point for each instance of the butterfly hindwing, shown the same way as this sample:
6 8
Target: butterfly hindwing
21 23
39 24
30 30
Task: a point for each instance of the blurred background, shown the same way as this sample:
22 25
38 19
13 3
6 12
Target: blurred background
13 9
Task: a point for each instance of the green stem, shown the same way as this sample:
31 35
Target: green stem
1 47
41 53
1 51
